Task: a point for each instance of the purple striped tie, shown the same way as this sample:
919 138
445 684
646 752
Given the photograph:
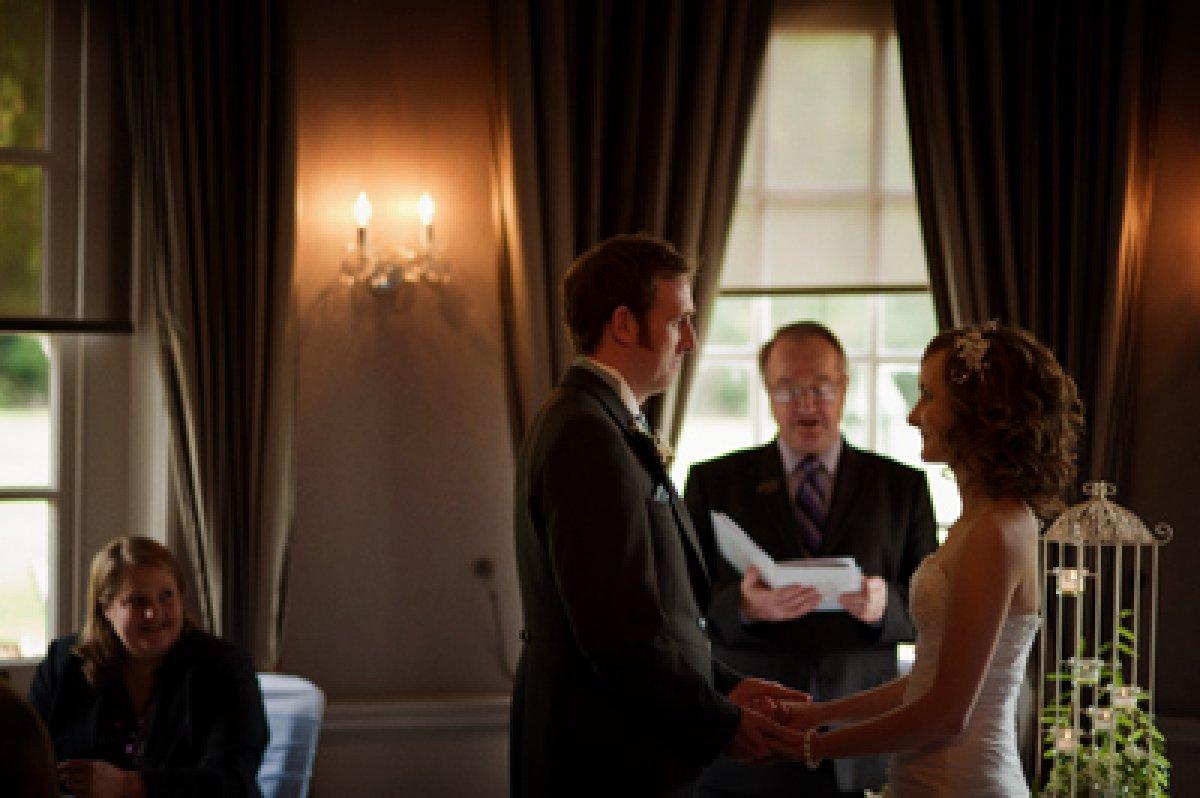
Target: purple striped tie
811 497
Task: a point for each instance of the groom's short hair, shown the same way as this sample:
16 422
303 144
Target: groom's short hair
620 270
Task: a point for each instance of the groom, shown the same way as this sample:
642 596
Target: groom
616 691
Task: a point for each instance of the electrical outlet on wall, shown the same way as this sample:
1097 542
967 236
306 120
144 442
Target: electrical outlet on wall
484 568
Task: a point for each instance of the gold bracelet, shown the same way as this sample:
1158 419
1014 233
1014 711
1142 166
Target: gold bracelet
809 761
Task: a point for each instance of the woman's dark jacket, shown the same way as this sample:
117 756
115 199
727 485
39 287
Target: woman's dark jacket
206 732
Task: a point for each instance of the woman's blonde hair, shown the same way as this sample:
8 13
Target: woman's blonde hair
98 646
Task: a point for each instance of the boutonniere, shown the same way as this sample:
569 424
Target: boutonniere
767 487
660 447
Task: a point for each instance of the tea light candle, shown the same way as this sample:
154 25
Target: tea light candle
1066 739
1102 718
1086 670
1070 580
1125 696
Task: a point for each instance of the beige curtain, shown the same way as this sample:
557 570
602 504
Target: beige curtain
206 85
613 117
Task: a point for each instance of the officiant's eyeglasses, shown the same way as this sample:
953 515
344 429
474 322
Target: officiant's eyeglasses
819 393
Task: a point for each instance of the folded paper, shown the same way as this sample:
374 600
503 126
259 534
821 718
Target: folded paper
832 576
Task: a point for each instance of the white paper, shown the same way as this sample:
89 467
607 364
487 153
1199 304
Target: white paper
832 576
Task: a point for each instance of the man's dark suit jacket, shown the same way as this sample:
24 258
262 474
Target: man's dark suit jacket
880 514
206 733
616 690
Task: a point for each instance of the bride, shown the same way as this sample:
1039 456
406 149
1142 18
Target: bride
997 408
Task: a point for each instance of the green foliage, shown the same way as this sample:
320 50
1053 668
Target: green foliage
22 73
22 112
24 372
1131 756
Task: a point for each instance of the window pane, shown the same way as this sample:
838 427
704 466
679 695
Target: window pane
721 391
734 323
719 416
818 246
908 323
20 240
24 578
24 411
856 414
22 74
849 317
751 176
743 253
903 249
897 159
895 396
818 126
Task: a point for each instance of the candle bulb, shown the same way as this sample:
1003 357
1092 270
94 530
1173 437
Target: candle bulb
425 208
362 216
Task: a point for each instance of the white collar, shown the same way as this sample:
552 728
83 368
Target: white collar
614 379
829 458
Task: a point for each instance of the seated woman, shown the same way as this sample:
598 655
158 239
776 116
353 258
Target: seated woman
141 703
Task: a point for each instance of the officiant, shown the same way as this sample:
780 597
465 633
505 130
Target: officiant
809 493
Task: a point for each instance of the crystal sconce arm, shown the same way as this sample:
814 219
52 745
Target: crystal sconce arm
383 271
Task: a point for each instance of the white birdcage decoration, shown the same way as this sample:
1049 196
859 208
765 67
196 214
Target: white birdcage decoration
1096 687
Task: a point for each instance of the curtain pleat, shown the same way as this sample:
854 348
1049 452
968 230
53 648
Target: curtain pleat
1030 127
208 96
613 117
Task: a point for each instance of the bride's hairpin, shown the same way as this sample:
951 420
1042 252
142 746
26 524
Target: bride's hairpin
972 347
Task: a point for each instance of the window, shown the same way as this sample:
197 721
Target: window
825 228
64 233
27 495
26 492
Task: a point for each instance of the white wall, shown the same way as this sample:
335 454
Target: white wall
404 463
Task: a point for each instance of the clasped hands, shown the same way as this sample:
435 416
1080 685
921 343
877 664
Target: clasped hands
773 722
763 603
95 778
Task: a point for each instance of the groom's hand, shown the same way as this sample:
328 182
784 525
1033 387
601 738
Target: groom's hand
767 698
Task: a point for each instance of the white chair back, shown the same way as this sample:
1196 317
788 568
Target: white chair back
294 707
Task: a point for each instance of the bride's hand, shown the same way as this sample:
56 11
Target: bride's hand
800 715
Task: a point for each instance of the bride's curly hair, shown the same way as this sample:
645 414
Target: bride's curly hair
1017 414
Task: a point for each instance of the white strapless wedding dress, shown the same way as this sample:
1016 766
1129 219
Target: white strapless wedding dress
983 760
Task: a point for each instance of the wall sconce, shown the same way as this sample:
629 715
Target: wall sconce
389 267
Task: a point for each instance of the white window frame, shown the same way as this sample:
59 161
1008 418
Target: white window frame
83 191
863 18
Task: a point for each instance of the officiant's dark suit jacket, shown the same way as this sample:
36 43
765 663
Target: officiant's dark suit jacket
880 513
616 692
